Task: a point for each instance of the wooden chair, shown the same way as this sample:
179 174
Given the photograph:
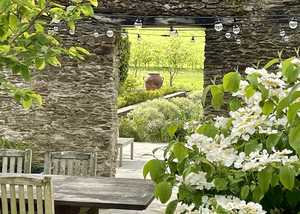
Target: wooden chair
26 195
70 163
15 161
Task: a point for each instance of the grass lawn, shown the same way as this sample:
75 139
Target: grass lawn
187 80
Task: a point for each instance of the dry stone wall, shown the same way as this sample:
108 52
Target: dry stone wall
79 111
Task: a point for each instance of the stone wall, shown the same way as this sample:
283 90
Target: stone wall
79 111
260 31
80 98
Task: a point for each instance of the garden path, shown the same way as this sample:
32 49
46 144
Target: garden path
134 169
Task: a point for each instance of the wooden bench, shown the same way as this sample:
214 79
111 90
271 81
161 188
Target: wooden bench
124 142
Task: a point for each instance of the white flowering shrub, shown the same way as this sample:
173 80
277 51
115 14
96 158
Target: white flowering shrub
246 162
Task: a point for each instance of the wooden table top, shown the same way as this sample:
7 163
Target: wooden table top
100 192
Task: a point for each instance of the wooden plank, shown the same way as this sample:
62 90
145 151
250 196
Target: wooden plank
20 165
48 195
77 167
70 166
27 161
39 199
22 209
55 167
4 164
12 164
98 192
125 141
30 200
62 167
84 168
4 199
93 164
47 163
11 153
70 155
13 201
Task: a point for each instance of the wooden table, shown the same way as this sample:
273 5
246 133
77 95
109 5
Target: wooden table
89 194
124 142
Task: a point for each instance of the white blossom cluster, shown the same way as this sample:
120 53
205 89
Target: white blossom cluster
235 205
219 150
231 204
198 181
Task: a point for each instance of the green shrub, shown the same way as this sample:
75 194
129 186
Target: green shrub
124 45
133 95
7 144
150 121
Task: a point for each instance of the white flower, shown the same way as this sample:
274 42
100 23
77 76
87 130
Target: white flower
220 122
198 181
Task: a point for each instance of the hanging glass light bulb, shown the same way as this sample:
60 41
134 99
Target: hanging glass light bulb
293 24
228 35
218 26
55 28
282 32
286 38
238 41
96 34
193 40
72 31
236 29
138 23
109 33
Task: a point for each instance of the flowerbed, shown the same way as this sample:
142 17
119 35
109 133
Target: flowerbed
246 162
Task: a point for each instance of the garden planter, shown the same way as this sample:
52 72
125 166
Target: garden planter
153 81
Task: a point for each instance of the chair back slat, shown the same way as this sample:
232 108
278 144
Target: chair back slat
26 195
71 163
15 161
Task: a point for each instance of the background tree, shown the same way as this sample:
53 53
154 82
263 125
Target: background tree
176 55
27 43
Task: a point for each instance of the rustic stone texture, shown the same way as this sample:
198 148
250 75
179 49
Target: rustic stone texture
260 36
79 112
80 98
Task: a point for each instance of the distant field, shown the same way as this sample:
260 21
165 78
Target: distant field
152 45
188 80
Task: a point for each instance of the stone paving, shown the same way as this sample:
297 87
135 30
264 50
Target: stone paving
134 169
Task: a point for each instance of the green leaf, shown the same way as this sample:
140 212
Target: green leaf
217 96
40 63
171 130
83 50
39 28
163 191
13 22
155 168
220 184
4 49
271 63
231 82
252 146
87 10
268 107
287 177
53 61
273 140
294 138
4 5
290 71
94 3
208 130
245 192
171 208
265 178
234 104
180 151
257 194
27 102
292 112
250 91
253 79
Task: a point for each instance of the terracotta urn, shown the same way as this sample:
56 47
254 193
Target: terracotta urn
153 81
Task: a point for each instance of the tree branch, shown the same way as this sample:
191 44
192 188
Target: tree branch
31 23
